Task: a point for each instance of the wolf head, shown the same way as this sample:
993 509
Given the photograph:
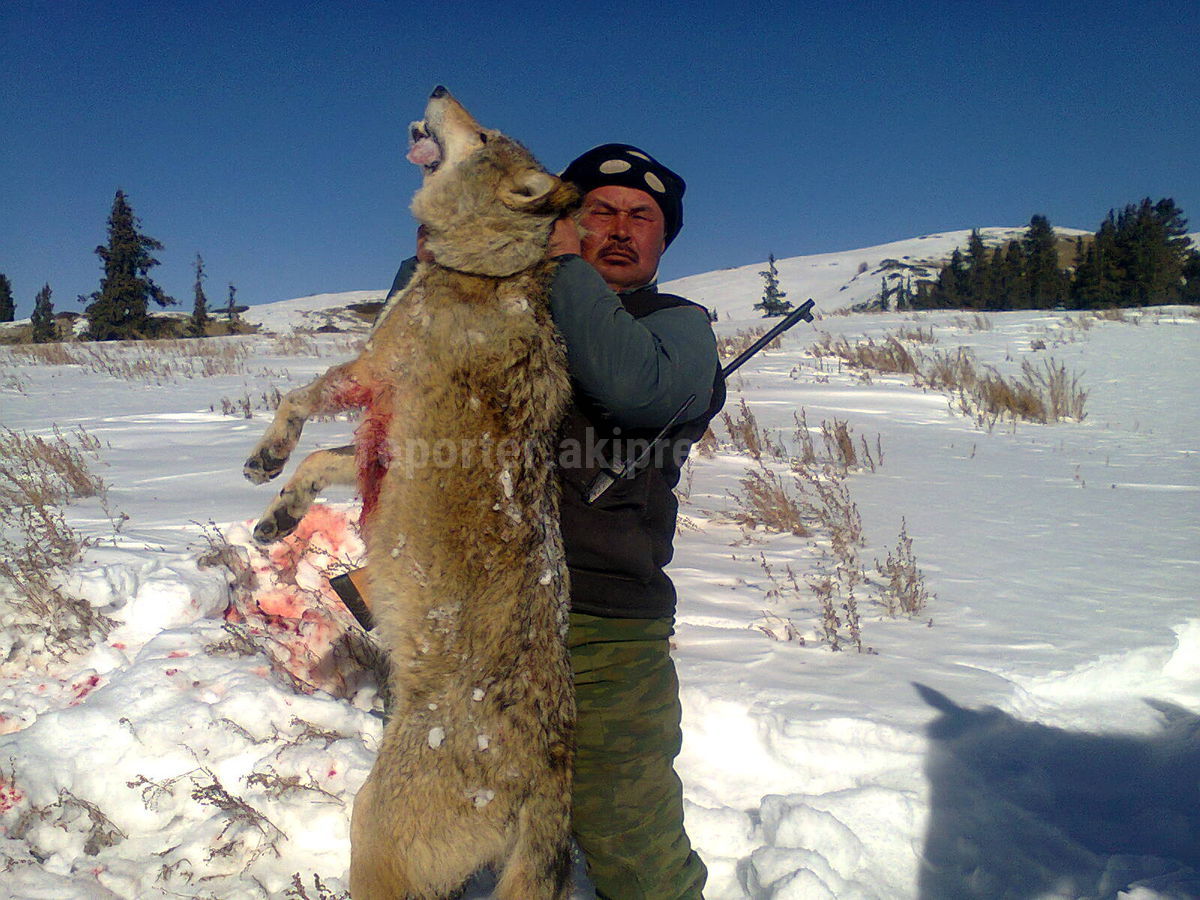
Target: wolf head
486 204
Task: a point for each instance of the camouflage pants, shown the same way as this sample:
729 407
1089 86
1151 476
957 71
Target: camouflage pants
627 800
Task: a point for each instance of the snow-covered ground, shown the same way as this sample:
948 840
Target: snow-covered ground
1052 748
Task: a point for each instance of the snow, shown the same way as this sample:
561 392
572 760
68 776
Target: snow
1051 748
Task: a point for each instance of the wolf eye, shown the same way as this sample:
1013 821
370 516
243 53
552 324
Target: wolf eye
483 136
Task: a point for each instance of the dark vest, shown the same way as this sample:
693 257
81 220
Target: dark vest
618 546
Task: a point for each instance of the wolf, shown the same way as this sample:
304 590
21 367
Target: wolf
464 385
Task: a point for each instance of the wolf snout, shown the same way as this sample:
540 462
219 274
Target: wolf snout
439 91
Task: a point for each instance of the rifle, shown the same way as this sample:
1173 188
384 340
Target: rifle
348 586
606 478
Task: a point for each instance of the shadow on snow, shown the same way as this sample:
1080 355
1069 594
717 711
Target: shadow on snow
1020 809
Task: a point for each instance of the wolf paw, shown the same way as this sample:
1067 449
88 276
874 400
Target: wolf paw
275 525
262 467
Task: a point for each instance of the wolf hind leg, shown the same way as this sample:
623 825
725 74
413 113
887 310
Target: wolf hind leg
318 471
539 866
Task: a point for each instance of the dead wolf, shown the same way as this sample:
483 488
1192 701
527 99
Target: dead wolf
464 383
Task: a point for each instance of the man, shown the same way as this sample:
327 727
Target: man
635 357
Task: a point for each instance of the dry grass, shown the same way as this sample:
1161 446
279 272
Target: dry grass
37 545
766 501
889 357
298 892
1045 394
747 436
729 346
977 322
155 362
904 588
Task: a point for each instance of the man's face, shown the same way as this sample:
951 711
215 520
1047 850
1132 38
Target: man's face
623 237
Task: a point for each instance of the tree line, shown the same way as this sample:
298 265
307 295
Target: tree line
120 309
1138 257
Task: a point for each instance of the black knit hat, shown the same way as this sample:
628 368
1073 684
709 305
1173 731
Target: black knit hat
627 166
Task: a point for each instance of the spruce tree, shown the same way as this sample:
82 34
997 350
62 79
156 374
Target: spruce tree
231 308
772 303
951 284
198 324
43 317
119 309
8 309
1047 284
978 287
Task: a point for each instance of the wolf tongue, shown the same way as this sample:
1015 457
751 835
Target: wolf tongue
424 152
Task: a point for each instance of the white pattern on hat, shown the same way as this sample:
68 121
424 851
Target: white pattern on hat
655 183
613 166
639 155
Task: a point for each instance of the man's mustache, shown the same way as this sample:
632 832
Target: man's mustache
612 248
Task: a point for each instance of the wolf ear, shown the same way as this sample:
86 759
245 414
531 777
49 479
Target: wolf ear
535 191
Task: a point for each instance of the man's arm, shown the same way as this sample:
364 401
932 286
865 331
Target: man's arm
638 370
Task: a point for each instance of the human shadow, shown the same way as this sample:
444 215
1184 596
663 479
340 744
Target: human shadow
1020 809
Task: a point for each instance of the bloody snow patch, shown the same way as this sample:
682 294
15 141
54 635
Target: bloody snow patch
290 607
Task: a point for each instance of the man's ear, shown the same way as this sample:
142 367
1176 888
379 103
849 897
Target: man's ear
536 191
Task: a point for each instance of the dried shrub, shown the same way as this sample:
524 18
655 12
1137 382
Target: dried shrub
766 501
904 589
153 361
729 346
298 892
890 357
839 444
72 814
37 546
803 440
746 435
917 335
828 500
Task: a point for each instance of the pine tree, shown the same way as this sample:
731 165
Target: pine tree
231 308
43 317
1047 284
951 284
1012 290
772 303
8 309
198 324
119 309
978 288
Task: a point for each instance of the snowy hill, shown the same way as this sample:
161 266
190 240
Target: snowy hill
834 280
203 750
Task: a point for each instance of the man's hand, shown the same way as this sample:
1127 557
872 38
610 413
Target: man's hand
564 238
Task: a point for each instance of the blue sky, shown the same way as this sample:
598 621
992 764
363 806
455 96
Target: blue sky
270 137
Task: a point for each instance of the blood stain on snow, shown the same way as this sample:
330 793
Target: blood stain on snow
172 672
83 688
10 795
178 654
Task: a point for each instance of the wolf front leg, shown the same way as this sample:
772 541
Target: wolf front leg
318 471
326 394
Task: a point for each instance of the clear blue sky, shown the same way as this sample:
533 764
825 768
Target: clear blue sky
270 136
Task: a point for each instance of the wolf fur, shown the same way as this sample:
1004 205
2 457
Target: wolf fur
464 383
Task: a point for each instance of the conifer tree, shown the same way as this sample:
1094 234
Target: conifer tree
199 322
1047 284
43 317
231 308
978 287
8 309
772 303
951 285
119 309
